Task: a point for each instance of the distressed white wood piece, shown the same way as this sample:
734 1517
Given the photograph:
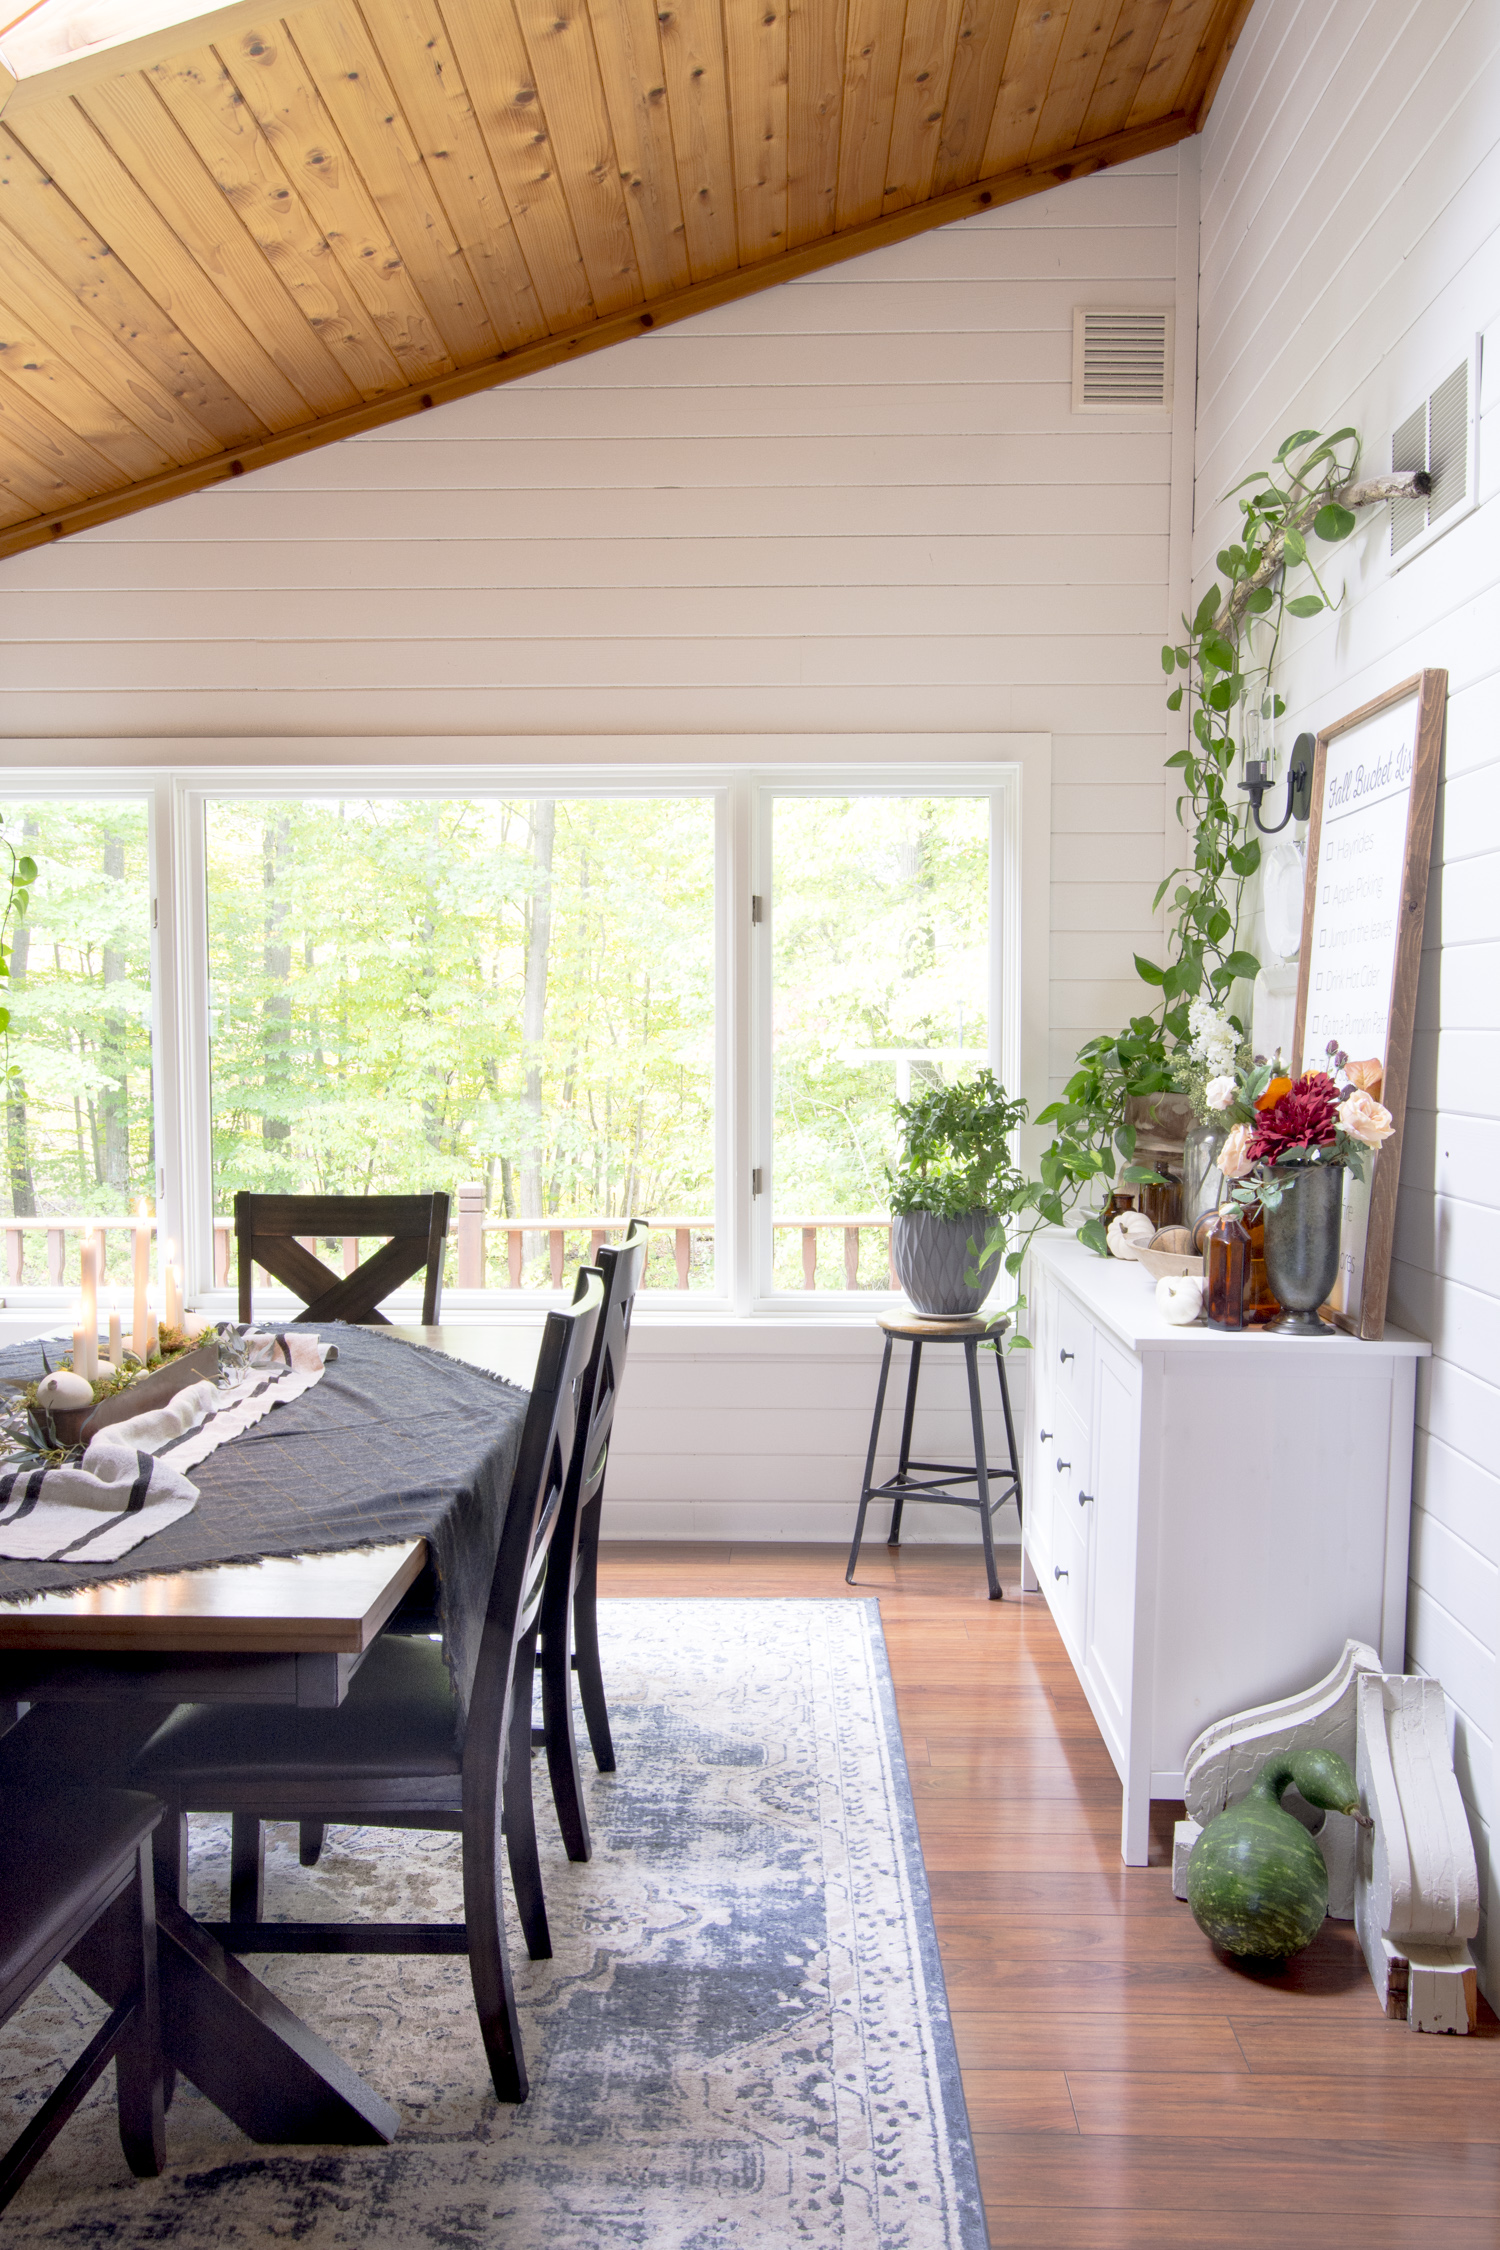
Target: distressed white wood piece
1184 1836
1417 1884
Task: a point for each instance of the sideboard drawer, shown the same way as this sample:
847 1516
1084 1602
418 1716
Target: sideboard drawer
1070 1351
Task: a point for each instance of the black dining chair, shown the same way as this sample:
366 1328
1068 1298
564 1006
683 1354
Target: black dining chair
569 1619
273 1231
67 1857
386 1758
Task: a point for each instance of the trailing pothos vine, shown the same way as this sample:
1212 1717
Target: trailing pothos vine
1223 669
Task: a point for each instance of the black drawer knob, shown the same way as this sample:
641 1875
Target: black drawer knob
1064 1356
1058 1571
1045 1435
1085 1499
1062 1464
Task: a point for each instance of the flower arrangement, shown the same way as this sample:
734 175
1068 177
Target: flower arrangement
1213 1055
1276 1121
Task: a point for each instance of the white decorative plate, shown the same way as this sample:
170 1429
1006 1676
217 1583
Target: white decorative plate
1281 896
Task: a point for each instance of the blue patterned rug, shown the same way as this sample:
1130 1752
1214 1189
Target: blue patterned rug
742 2038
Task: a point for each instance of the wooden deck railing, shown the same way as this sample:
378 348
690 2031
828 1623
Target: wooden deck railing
474 1238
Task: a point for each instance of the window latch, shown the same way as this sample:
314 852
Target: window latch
755 1181
757 908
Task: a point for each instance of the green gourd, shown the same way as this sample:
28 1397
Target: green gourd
1256 1881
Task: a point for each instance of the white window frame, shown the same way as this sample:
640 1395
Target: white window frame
739 774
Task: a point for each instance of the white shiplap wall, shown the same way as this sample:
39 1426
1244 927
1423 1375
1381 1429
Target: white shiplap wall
855 503
1349 255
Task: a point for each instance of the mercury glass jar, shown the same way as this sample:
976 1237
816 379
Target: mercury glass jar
1202 1181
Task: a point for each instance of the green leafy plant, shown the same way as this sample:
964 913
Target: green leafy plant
1224 670
956 1150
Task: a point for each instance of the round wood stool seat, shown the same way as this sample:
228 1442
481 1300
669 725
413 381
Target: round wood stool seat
993 1486
934 1328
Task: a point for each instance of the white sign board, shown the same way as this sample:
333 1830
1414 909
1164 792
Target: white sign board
1369 842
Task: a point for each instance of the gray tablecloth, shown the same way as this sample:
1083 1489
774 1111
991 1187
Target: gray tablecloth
394 1443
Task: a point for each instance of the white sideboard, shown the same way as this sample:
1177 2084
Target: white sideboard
1209 1516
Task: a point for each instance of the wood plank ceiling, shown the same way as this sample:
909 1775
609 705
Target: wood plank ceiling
228 240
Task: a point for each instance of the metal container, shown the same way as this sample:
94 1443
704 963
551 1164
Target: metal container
1302 1244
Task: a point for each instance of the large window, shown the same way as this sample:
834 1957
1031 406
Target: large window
421 992
569 996
880 914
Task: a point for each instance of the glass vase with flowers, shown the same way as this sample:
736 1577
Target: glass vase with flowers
1289 1144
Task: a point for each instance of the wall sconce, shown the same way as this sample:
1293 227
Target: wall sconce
1260 775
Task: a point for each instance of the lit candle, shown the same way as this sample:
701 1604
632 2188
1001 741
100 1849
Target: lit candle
89 1277
152 1333
142 1276
83 1354
116 1341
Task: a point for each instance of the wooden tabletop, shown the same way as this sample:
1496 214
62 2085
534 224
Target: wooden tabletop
330 1604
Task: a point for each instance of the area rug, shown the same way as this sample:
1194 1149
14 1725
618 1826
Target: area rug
742 2037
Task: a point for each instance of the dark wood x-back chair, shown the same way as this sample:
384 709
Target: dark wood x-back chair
569 1614
273 1231
387 1757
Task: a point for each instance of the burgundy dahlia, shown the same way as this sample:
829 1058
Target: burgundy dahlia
1305 1119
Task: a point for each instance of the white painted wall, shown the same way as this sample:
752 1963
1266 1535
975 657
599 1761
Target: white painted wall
855 503
1349 254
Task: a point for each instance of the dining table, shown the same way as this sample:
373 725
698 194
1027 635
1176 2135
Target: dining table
89 1667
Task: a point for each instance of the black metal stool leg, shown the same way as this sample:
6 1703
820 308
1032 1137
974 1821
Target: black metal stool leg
1010 1429
893 1536
864 1498
981 1467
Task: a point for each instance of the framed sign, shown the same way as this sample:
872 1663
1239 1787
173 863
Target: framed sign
1369 843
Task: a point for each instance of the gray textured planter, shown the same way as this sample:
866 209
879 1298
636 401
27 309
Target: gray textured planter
932 1256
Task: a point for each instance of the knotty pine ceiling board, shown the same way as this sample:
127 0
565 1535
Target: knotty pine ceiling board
254 232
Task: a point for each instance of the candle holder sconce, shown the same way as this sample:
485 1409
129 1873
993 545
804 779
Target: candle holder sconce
1260 775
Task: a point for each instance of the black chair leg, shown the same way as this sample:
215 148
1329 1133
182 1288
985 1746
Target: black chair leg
893 1536
169 1861
586 1641
247 1868
864 1497
140 2088
557 1706
981 1469
520 1810
489 1961
310 1838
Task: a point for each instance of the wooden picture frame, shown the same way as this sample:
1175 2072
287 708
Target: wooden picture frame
1369 847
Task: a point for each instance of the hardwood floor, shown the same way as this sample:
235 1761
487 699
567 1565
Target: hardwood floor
1126 2086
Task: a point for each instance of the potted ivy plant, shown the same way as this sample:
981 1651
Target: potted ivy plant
955 1180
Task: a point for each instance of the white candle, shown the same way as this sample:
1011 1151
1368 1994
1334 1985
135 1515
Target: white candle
142 1276
152 1334
86 1352
116 1343
171 1297
88 1269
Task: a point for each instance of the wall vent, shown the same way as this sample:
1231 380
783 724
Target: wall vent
1439 436
1122 359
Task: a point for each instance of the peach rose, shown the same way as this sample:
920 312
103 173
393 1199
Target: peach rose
1369 1077
1234 1159
1365 1120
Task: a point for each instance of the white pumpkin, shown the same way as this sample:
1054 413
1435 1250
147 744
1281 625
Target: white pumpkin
1130 1232
64 1391
1179 1298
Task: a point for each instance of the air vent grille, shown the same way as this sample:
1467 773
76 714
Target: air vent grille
1436 436
1122 360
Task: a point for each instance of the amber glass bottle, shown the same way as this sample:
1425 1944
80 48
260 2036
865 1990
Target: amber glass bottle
1162 1204
1226 1270
1261 1302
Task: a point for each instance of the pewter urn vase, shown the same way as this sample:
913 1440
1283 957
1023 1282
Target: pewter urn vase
1302 1244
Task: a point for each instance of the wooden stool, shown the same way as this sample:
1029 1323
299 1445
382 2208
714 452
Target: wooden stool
920 1329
